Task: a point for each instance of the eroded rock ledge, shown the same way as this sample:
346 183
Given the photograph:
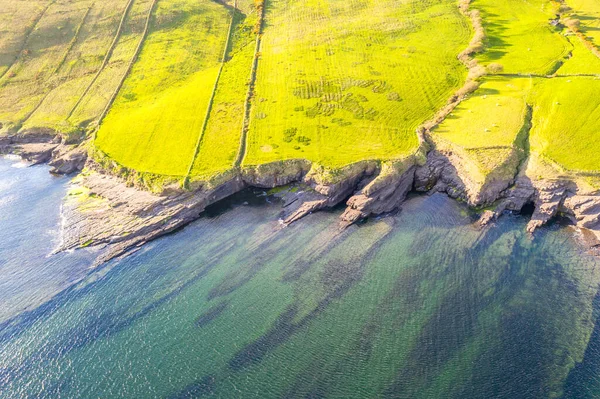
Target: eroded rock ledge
124 218
45 146
103 210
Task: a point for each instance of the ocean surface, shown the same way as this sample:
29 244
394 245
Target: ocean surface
420 304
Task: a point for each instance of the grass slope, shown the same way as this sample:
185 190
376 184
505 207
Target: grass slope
588 13
156 120
94 101
17 20
566 122
221 139
340 81
492 116
486 129
582 60
337 81
24 85
520 36
50 84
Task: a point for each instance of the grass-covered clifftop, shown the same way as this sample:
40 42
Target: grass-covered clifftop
194 89
539 93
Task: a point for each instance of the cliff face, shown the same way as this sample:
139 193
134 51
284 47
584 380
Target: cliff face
126 217
106 211
45 146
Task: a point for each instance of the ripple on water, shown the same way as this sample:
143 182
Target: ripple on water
420 304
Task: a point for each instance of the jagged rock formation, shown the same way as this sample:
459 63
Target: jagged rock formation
105 211
45 146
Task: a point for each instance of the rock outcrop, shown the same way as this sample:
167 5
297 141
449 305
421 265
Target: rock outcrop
101 210
384 194
45 146
68 159
106 211
327 193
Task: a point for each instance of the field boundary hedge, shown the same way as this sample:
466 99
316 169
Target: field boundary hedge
131 62
252 81
212 95
60 64
107 57
26 38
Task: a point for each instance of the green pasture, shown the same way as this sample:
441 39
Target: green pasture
566 122
17 18
156 120
488 127
337 82
491 117
340 81
73 59
220 142
43 47
582 60
588 13
83 84
91 103
520 36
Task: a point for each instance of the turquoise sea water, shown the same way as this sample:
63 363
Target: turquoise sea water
416 305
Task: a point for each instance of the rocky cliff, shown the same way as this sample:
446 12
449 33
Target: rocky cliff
105 210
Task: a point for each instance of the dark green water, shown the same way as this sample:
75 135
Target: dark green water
418 305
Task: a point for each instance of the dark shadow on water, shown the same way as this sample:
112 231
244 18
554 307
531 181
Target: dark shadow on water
199 389
584 380
347 273
254 197
94 325
528 209
205 318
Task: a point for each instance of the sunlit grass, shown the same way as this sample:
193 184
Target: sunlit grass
61 54
583 61
340 82
17 18
520 37
588 12
221 140
492 116
94 102
566 122
157 117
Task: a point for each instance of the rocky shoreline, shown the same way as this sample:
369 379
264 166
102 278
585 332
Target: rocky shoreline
102 210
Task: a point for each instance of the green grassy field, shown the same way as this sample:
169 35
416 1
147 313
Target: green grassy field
519 35
220 142
486 129
583 61
27 80
172 82
72 61
588 13
566 122
339 82
157 118
491 117
564 109
17 19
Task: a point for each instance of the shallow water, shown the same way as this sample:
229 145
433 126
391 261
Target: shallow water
29 231
418 305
